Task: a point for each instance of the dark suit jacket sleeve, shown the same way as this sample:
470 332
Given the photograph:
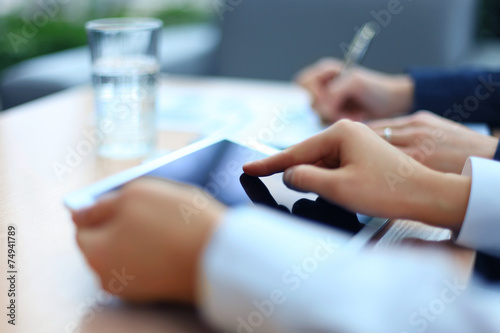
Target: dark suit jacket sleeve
460 95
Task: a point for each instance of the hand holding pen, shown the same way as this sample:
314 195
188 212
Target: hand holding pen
343 89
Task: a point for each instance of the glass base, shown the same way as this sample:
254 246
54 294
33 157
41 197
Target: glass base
125 152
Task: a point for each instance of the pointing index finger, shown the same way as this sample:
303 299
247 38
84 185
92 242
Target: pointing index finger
309 151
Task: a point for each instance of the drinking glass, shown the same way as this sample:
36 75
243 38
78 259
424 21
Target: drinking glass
125 69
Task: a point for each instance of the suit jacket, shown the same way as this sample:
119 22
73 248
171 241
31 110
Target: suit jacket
459 95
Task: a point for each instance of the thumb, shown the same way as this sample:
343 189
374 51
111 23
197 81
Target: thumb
97 214
340 91
310 178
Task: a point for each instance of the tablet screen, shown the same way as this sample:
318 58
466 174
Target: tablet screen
215 169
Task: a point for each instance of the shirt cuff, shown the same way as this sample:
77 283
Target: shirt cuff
251 252
481 229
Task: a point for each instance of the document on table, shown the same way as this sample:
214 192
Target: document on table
209 111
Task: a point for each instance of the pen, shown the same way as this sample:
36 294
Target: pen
356 52
359 46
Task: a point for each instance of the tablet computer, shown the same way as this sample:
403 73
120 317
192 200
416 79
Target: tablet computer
215 166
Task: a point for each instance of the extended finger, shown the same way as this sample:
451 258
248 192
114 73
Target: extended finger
393 123
310 178
309 151
321 69
399 136
97 214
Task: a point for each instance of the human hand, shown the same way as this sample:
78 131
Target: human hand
141 234
362 95
436 142
351 165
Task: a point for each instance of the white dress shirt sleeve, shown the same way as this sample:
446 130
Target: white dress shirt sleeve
268 272
481 226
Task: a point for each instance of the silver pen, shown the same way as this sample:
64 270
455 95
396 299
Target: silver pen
356 52
359 46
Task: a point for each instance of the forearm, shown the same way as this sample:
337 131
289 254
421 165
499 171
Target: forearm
402 92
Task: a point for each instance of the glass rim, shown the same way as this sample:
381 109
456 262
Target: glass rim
124 23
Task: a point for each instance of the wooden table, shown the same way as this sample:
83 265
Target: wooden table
56 290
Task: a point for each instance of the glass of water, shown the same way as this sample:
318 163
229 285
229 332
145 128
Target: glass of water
125 67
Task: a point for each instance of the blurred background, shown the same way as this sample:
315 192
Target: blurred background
64 29
42 42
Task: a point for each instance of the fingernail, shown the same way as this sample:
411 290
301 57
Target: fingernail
287 176
79 215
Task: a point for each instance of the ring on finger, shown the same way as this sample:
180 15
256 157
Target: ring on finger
388 134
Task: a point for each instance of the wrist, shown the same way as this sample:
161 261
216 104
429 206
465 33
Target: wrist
489 147
403 91
442 199
214 219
